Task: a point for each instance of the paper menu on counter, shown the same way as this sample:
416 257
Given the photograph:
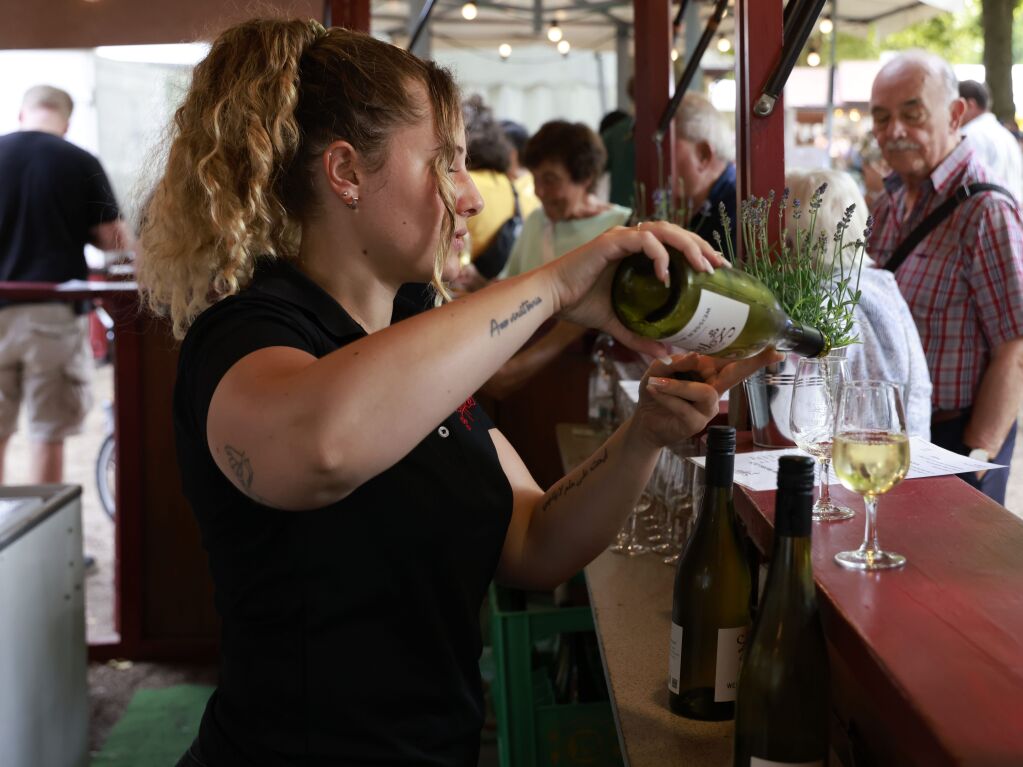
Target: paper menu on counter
759 470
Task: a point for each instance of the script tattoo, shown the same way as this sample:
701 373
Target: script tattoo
571 483
240 465
496 326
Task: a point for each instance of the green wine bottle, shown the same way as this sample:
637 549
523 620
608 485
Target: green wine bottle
710 612
782 713
727 314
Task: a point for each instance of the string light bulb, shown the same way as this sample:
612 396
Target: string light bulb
813 59
554 33
724 44
827 26
564 47
674 54
854 115
504 50
470 11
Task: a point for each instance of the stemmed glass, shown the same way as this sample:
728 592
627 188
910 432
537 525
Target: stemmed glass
871 454
812 422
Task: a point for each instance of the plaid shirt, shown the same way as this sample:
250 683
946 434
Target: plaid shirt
964 281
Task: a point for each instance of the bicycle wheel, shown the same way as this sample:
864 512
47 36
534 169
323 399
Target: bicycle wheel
106 474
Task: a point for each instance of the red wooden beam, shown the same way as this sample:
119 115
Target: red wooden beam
760 140
350 14
652 89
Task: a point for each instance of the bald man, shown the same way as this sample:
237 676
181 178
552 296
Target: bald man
963 281
54 198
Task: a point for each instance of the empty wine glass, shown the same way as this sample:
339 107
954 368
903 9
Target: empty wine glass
871 454
812 423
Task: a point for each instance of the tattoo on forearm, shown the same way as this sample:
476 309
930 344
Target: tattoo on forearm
570 484
497 326
240 465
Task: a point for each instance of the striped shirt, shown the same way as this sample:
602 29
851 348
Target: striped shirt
964 281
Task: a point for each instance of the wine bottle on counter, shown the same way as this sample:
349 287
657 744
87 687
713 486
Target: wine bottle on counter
782 712
710 613
727 314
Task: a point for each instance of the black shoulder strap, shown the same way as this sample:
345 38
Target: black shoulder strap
938 215
515 196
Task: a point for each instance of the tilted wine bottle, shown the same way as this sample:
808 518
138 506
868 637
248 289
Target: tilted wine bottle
782 713
710 613
727 314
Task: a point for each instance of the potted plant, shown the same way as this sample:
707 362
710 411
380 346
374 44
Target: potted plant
816 286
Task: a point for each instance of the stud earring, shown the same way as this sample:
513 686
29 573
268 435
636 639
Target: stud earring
348 199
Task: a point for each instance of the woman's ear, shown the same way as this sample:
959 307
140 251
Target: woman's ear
340 163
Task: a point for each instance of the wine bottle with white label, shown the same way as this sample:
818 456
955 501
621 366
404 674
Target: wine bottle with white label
727 314
782 712
710 613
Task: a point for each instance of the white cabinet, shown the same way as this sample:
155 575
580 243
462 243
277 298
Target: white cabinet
43 691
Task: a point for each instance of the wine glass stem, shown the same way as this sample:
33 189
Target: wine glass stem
825 494
870 545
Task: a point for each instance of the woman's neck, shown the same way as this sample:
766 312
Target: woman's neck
342 269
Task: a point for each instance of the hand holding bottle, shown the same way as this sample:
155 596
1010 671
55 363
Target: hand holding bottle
671 409
581 279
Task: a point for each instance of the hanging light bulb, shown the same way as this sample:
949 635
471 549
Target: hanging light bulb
827 26
813 59
674 54
469 11
504 50
554 33
564 47
724 44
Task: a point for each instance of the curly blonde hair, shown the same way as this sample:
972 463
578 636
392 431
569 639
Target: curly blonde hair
263 105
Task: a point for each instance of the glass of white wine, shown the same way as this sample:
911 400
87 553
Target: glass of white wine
812 423
871 456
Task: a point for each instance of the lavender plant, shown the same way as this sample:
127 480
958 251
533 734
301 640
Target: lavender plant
813 289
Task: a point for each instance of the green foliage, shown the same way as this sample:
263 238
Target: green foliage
956 36
813 288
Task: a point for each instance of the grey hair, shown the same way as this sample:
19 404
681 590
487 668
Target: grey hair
48 97
934 65
842 192
697 120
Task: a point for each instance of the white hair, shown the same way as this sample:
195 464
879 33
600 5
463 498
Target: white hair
932 64
697 120
841 192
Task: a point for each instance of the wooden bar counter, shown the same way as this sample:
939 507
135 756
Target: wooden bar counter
926 661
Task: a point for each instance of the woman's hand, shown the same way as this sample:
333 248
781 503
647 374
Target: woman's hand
582 278
670 410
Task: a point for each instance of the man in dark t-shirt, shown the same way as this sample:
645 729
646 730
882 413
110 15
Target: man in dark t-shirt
54 198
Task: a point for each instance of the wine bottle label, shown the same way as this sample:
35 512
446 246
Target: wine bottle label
731 643
675 657
718 320
756 761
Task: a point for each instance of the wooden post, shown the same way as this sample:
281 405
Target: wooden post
652 87
350 14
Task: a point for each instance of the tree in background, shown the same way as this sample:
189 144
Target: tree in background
997 18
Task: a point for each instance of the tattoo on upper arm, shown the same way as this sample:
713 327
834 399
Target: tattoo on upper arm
240 465
497 326
570 484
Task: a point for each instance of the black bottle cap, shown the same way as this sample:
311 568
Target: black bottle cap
721 439
720 456
793 504
808 342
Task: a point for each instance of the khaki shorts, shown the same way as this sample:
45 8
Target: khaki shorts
45 360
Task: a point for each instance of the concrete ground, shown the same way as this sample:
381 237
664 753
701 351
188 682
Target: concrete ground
112 685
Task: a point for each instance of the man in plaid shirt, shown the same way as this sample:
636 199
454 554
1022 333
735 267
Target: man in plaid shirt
963 281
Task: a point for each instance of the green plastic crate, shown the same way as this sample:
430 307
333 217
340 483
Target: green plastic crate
532 729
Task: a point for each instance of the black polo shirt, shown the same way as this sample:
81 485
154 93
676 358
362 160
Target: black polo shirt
52 193
350 633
